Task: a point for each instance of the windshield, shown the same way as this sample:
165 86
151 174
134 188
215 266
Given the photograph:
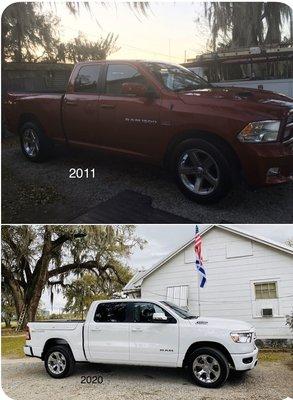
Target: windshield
182 312
176 78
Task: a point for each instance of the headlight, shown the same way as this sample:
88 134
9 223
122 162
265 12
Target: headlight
244 337
260 131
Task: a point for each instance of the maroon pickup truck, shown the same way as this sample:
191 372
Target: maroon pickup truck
209 137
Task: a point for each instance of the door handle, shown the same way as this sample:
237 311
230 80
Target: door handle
136 329
96 328
107 106
70 102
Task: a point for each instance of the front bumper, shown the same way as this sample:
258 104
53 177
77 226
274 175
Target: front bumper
246 361
260 160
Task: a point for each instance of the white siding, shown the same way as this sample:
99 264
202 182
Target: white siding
229 292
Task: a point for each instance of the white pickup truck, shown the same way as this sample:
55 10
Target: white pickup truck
145 332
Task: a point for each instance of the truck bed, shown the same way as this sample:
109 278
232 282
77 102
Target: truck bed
70 331
47 106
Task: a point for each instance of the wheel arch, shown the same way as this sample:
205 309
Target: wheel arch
27 117
211 137
55 342
212 345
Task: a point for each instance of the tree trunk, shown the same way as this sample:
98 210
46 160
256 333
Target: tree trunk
7 322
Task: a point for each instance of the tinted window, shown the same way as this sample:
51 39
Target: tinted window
111 312
176 78
119 74
87 79
143 312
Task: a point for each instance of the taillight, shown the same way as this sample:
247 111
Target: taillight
27 333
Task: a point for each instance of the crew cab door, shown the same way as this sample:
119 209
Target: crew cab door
151 341
108 333
129 123
80 108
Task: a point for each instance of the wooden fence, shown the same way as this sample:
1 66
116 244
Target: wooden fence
35 77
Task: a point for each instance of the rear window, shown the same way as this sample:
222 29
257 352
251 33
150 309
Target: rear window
111 312
87 79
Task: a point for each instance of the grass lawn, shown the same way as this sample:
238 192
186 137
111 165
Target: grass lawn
11 347
275 356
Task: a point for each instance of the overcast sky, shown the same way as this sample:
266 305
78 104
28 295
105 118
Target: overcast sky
163 239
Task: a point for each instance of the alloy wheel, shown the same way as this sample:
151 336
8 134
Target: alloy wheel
199 172
30 142
206 368
56 363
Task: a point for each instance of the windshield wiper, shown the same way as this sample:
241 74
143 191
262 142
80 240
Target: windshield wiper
192 317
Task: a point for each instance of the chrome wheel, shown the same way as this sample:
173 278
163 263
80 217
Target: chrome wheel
199 171
56 363
30 142
206 368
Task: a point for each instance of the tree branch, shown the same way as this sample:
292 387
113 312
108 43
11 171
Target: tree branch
64 238
70 267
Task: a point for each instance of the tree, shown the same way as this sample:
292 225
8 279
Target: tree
87 288
7 306
35 257
246 24
81 49
26 32
30 35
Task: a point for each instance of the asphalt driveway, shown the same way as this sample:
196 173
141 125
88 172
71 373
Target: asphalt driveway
26 378
44 193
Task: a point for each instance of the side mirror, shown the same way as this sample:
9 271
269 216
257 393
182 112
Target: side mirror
136 89
159 317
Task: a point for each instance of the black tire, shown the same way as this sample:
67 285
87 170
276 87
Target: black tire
222 169
67 356
218 375
43 145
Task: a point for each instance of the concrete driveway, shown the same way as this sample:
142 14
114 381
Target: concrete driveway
26 378
44 193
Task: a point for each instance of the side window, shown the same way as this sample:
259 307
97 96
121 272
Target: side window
87 79
111 312
118 74
267 290
143 312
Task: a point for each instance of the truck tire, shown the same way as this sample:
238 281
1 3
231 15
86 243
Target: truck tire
208 367
34 144
59 361
203 172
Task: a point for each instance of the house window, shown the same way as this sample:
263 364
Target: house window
267 290
177 295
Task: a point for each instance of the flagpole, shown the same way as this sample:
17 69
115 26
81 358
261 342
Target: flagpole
198 294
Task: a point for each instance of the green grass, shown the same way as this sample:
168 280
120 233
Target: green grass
12 347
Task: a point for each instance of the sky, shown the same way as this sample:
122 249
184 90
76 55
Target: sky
164 239
169 30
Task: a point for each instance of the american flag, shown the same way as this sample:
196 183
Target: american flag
198 259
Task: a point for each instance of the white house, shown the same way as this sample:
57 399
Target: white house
248 278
